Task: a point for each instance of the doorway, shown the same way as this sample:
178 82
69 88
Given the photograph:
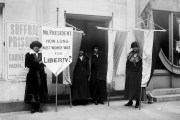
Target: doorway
93 36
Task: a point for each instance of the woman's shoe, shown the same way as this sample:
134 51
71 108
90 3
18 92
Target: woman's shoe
130 103
32 110
101 101
96 102
74 103
40 110
84 102
137 104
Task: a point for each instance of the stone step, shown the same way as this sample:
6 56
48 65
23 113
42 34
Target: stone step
166 98
165 91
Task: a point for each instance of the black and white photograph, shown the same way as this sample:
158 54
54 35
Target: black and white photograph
89 59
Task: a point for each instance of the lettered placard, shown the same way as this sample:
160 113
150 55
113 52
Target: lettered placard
57 48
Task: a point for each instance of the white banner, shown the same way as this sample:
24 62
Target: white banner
147 56
18 38
57 48
145 41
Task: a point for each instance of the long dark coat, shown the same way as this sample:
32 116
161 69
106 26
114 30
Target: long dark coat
98 77
36 81
80 86
133 79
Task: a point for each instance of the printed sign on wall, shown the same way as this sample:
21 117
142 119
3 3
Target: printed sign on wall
57 48
18 38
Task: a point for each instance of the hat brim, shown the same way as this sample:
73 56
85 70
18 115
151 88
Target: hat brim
35 44
95 46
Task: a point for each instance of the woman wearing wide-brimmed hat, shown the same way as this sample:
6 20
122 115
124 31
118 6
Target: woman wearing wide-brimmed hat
133 75
36 91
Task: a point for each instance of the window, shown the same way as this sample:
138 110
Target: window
176 39
162 19
171 40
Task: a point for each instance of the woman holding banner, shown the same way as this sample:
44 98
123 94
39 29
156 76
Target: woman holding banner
133 76
36 91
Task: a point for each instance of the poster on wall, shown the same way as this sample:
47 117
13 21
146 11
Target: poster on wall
57 48
19 35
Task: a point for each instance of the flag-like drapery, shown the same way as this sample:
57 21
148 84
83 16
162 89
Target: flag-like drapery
142 5
149 41
145 41
111 39
66 76
146 16
150 45
77 37
120 39
116 43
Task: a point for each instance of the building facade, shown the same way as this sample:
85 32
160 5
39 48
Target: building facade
166 14
21 22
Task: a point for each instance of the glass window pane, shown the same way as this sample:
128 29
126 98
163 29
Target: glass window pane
162 19
176 39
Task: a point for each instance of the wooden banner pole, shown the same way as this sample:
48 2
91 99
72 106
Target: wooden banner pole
108 94
57 9
70 96
56 91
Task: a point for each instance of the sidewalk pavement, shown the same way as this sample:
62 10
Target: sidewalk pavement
116 111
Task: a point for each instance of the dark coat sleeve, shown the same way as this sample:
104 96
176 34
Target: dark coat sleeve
30 62
127 65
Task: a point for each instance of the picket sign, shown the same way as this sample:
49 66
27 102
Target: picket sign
57 50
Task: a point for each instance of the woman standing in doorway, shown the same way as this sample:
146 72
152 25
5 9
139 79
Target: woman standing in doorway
98 89
80 86
133 76
36 91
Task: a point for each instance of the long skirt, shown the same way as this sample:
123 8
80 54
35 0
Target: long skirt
35 91
98 89
80 89
133 85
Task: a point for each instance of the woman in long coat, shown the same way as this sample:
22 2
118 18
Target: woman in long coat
36 91
98 89
80 86
133 76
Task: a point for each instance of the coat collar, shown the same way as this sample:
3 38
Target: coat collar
32 52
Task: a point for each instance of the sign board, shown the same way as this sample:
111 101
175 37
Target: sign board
57 48
19 35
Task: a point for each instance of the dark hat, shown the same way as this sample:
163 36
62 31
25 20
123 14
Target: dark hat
35 44
134 44
95 46
82 49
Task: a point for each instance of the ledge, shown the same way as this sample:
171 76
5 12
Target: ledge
161 72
